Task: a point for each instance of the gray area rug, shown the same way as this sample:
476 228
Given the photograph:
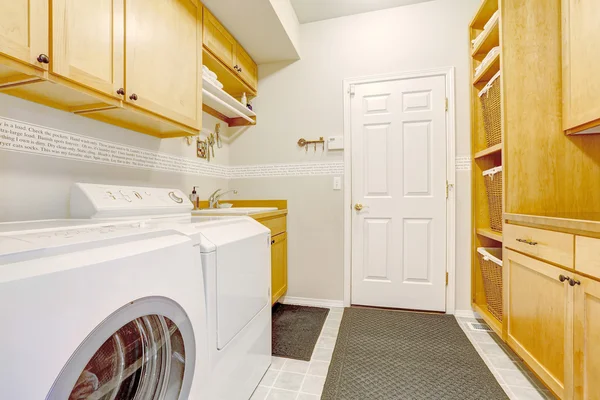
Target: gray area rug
390 355
296 330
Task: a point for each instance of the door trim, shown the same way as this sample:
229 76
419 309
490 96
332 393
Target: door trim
448 73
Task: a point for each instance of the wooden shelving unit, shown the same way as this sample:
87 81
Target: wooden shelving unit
488 72
491 38
489 151
490 234
484 157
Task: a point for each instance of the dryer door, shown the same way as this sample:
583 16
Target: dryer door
145 350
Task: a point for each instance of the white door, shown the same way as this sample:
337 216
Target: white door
399 193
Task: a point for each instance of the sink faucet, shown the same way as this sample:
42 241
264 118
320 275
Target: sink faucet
213 200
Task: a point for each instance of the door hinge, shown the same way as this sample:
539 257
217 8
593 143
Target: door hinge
446 104
447 278
351 90
449 186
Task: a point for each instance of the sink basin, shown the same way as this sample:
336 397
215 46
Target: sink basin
234 211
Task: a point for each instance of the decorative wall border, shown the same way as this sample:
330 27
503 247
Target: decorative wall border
463 163
23 137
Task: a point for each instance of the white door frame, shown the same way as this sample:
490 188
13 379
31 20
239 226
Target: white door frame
448 73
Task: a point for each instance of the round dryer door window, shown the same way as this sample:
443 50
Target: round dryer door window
149 357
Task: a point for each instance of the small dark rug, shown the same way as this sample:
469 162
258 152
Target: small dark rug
391 355
296 330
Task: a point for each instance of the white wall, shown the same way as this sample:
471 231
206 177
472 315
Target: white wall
305 99
38 187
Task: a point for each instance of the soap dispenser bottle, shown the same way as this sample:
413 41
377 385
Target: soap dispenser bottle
194 198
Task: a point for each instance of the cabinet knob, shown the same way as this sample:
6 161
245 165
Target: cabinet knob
240 69
563 278
133 97
121 91
272 241
44 59
574 282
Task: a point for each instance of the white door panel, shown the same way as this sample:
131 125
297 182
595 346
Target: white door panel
399 176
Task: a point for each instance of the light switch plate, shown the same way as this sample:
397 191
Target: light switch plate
337 183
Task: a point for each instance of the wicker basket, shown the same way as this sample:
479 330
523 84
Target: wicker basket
490 105
493 187
490 261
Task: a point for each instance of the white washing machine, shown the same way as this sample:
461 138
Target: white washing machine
236 264
100 311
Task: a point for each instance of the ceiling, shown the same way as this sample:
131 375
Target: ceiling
317 10
262 27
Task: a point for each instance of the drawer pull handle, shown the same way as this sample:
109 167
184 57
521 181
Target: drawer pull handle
563 278
574 282
527 241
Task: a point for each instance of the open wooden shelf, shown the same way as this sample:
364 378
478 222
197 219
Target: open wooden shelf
489 319
490 150
491 39
489 71
485 12
222 105
490 234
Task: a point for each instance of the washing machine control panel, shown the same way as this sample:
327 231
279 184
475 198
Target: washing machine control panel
111 201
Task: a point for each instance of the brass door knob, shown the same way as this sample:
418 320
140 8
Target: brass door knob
358 206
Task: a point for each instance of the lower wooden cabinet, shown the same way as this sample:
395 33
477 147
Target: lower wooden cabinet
586 338
278 266
554 324
540 318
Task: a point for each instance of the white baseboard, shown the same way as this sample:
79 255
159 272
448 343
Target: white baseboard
305 301
466 314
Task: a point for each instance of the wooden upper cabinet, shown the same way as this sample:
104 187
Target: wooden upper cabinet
87 43
540 314
24 31
247 68
217 40
581 56
164 58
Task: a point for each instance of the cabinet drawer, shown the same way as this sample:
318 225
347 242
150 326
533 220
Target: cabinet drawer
587 255
276 225
556 247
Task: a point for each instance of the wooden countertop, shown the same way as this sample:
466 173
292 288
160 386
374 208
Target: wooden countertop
269 214
577 223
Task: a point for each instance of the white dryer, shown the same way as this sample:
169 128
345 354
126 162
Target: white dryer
236 264
100 311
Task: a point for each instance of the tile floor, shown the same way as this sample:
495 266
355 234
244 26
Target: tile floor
289 379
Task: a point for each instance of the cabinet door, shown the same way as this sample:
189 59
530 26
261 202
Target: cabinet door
24 30
581 56
278 266
247 68
163 48
87 43
217 40
587 339
540 319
